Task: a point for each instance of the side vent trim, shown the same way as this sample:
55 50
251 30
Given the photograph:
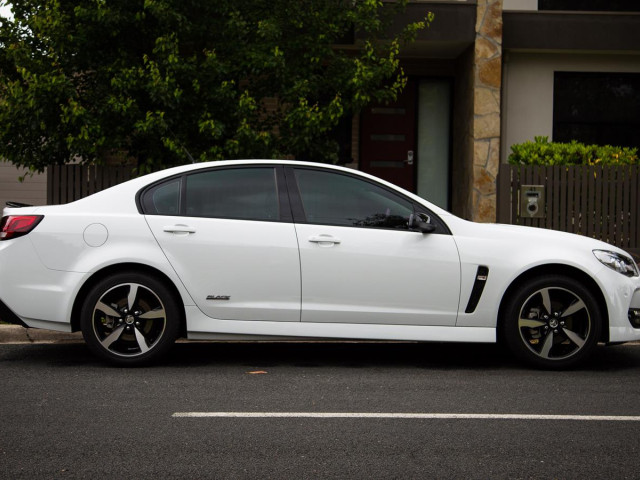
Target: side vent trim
478 287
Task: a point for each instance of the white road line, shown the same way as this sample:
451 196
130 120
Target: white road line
418 416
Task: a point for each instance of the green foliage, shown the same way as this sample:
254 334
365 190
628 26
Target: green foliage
153 79
543 152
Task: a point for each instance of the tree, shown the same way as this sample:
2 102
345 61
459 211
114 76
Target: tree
155 79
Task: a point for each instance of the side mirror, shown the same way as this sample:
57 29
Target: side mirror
421 222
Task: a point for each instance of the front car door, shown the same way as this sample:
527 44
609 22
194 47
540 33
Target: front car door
228 234
361 263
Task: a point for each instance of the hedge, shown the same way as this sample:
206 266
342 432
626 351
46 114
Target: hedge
543 152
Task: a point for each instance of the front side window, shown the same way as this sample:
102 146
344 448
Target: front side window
237 193
334 199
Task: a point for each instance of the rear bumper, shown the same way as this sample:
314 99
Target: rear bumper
7 315
30 294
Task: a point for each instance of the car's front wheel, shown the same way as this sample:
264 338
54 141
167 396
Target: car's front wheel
130 318
552 322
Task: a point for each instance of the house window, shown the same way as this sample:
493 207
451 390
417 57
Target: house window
590 5
597 108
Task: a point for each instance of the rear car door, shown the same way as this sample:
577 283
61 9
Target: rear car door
228 234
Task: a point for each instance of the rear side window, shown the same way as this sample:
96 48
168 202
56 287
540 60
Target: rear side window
240 193
163 199
334 199
235 193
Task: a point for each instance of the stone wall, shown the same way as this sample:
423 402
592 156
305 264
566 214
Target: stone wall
487 79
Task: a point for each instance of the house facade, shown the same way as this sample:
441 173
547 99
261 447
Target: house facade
492 73
485 75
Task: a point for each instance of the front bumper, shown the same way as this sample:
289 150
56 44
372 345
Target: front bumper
623 297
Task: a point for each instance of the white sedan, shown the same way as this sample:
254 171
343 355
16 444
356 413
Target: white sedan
277 249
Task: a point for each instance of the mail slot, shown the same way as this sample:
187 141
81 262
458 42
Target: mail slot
532 201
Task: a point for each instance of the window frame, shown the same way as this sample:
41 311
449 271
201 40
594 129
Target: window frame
299 216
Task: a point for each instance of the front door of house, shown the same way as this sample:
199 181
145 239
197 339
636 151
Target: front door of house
388 139
408 142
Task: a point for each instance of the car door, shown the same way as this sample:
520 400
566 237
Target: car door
228 234
361 263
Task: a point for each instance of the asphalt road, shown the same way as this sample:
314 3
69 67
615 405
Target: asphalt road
63 414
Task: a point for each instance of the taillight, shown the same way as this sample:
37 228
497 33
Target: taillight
13 226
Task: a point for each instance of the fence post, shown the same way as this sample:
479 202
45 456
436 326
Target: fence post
504 199
50 185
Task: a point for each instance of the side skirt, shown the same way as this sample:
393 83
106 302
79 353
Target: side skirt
201 327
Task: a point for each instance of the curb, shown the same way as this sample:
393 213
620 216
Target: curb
15 334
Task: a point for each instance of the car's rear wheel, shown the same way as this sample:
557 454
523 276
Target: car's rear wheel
130 318
552 322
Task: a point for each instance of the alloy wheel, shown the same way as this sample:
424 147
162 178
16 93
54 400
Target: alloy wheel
554 323
129 320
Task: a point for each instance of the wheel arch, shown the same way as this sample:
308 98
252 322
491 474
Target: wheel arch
120 268
556 269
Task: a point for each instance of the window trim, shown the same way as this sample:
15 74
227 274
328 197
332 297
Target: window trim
299 215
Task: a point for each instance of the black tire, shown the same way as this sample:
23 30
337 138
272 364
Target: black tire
552 322
130 318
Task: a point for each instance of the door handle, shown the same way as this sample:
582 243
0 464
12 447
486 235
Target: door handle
179 229
409 160
320 239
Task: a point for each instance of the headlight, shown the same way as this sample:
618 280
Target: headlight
615 261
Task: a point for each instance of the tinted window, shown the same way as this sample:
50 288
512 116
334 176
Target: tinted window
590 5
241 193
163 199
600 108
334 199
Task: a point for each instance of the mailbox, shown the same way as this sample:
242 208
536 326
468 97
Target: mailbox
532 201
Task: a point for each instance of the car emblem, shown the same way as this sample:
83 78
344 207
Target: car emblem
218 297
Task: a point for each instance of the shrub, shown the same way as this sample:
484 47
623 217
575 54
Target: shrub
543 152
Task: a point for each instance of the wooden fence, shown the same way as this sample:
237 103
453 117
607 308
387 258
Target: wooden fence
595 201
66 183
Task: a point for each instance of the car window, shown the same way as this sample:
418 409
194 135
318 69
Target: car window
334 199
163 199
238 193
